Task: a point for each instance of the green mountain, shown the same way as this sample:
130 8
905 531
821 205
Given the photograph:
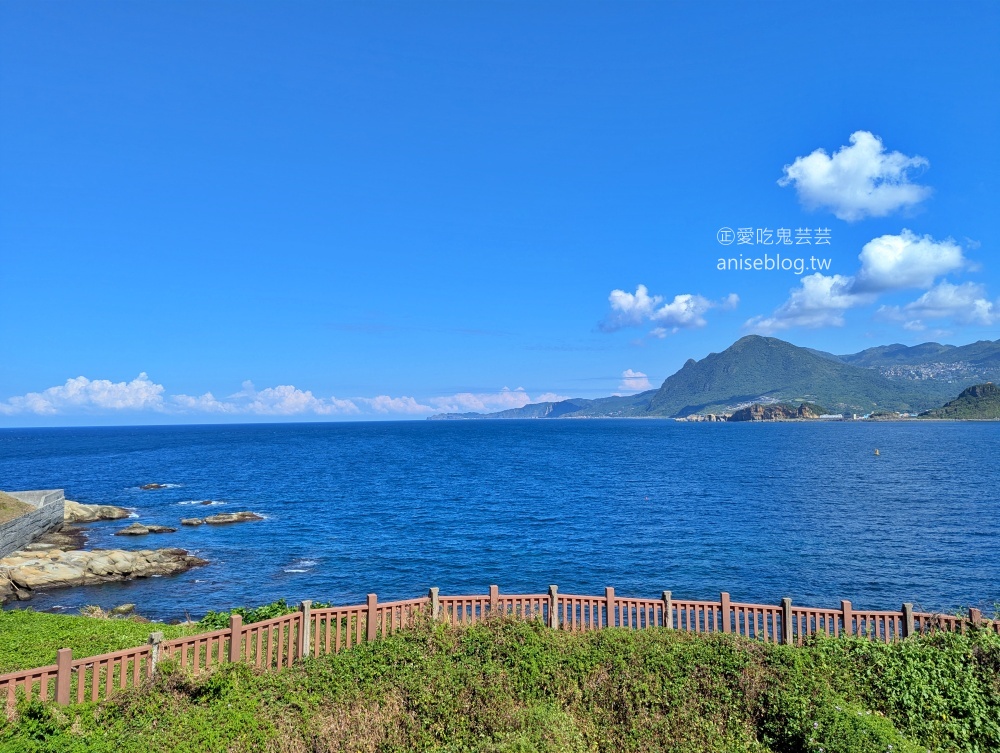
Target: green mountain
753 370
979 402
765 369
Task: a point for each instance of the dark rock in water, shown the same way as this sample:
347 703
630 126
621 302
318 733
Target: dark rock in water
206 502
191 521
138 529
233 517
153 486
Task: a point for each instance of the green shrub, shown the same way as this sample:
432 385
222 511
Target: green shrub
507 686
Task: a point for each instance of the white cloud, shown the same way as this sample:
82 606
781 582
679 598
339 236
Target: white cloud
896 262
819 301
386 404
81 395
490 402
206 403
283 400
859 180
287 400
634 381
964 304
87 396
550 397
889 262
684 311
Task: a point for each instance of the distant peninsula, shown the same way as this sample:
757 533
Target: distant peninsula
766 371
980 402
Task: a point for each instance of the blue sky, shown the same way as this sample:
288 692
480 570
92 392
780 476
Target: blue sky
322 211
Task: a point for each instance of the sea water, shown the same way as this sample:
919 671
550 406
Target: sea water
763 511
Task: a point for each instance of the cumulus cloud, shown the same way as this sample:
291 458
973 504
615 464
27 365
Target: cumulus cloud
907 260
964 304
283 400
82 394
634 381
819 301
857 181
888 263
387 404
206 403
636 309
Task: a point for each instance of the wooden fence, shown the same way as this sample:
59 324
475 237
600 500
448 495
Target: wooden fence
280 641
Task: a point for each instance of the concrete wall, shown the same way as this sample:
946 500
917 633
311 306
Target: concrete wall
48 514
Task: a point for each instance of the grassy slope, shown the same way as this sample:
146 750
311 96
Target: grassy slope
11 507
518 687
30 639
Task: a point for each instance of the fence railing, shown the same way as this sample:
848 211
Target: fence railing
280 641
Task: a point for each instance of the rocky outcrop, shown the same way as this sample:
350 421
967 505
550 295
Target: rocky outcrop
74 512
138 529
223 517
25 572
147 487
776 412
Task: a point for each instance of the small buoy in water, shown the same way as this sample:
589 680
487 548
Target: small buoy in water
876 452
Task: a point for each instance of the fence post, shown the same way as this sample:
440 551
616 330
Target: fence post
494 599
668 609
726 623
372 625
304 632
908 628
155 639
848 616
554 607
609 597
235 637
786 621
435 602
975 616
64 675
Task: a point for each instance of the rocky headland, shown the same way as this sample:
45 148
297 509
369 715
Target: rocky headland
776 412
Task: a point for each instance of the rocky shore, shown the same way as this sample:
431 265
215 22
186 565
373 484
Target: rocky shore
24 572
58 560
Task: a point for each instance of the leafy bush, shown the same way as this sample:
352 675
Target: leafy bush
219 620
509 686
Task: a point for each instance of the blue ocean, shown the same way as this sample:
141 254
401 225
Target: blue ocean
763 511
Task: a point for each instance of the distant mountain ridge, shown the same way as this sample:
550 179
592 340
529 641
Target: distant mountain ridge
758 369
981 353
